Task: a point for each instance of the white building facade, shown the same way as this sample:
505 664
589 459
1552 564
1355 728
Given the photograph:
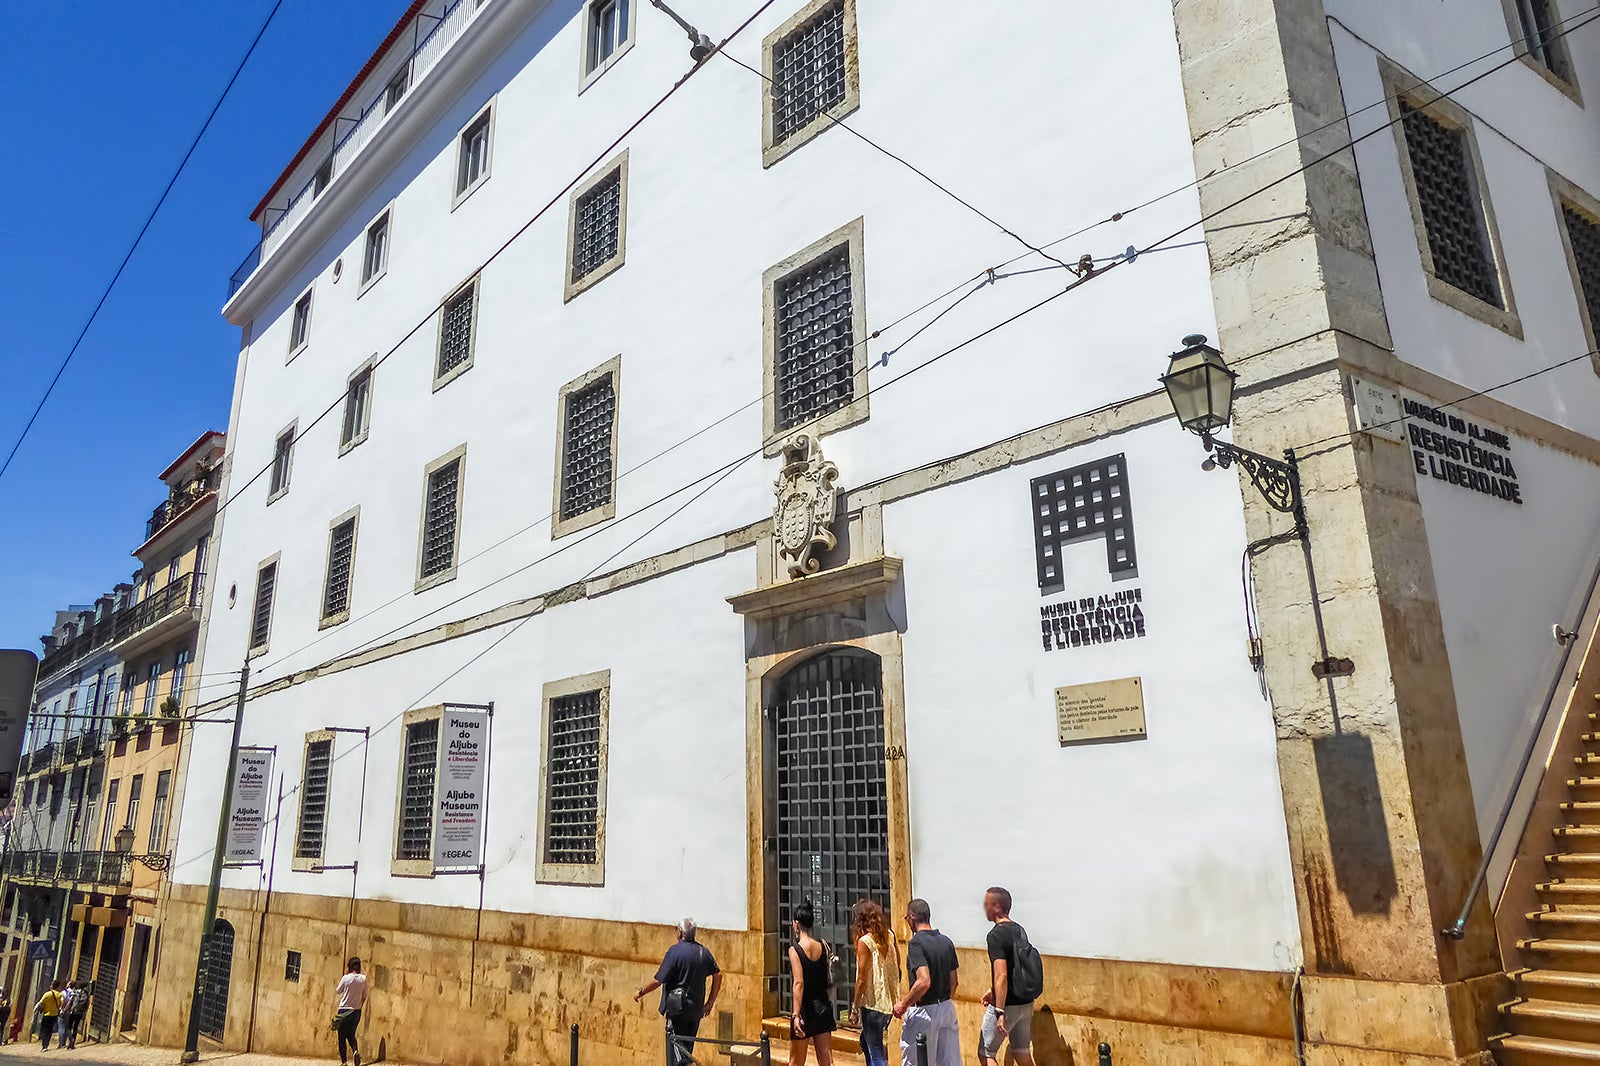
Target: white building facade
537 323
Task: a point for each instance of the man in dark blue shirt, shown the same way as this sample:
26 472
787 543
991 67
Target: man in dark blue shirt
682 979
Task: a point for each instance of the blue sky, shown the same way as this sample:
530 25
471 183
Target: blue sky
98 102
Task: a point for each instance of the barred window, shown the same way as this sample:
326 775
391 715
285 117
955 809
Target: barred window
472 164
1539 26
336 583
1583 236
456 322
1451 204
300 325
815 344
809 75
261 615
282 457
357 408
416 790
314 779
572 781
597 226
291 966
440 510
589 422
375 260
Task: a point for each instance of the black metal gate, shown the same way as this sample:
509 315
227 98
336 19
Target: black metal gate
832 800
103 999
214 980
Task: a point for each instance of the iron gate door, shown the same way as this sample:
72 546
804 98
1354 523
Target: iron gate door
833 807
218 972
103 996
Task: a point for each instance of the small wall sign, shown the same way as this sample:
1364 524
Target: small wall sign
1100 711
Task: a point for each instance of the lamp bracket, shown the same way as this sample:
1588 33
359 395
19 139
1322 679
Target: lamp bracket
158 863
1278 480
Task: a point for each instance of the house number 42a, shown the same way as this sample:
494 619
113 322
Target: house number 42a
894 753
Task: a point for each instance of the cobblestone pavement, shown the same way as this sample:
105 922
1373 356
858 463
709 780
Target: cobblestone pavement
123 1054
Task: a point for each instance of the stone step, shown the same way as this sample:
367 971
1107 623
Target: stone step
1580 922
1581 812
845 1041
1554 1020
1565 954
1579 862
1565 985
1583 785
750 1054
1570 892
1541 1051
1586 761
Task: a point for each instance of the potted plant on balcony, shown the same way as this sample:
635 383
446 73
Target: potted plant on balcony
119 726
169 707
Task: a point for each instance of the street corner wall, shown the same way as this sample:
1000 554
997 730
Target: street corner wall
1156 837
1513 529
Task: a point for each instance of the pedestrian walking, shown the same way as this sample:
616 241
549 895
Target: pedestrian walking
926 1010
1017 976
682 977
812 1023
877 979
350 999
69 995
76 1013
48 1011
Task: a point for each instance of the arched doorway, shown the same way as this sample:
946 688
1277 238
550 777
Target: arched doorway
215 978
832 810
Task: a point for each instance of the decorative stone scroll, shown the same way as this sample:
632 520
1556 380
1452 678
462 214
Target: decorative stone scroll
802 522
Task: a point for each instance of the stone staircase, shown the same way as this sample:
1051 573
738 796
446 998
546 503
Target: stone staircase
846 1046
1554 1017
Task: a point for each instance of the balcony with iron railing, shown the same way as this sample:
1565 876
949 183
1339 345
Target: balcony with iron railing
107 868
432 34
180 499
174 606
91 639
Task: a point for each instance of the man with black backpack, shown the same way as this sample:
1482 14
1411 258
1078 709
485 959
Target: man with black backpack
682 980
1018 975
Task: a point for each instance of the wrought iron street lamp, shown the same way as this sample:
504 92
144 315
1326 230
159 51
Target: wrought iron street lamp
124 843
1200 384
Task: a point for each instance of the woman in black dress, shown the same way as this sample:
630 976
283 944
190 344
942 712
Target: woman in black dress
812 1022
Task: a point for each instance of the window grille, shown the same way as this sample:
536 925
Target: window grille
586 454
608 31
439 522
261 616
808 73
357 408
376 259
455 330
597 230
474 161
341 552
314 799
300 327
291 966
815 347
1584 235
1451 204
158 812
1079 504
416 798
572 788
282 455
1541 35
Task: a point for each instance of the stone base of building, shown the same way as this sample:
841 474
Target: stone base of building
452 986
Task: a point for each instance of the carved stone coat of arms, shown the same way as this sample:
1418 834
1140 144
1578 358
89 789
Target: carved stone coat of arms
803 520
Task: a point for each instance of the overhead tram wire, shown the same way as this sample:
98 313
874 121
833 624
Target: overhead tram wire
138 238
1097 272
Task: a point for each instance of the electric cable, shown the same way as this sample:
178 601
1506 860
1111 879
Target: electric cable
139 238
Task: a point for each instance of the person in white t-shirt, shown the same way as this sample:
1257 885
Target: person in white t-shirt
352 997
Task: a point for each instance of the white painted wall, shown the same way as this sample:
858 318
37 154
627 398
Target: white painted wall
1026 111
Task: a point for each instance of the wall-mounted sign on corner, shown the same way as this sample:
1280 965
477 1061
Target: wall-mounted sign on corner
1461 452
1087 502
1378 410
1104 710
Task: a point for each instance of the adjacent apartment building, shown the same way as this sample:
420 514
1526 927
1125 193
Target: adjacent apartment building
664 485
89 845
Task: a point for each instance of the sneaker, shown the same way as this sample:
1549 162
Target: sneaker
358 1058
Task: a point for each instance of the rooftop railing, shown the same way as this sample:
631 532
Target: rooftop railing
431 37
180 499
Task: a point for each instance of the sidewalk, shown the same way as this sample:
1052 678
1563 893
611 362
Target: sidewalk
125 1054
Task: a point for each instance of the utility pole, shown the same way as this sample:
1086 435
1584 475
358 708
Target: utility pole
191 1044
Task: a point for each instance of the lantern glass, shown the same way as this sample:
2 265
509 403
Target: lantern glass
1200 386
124 840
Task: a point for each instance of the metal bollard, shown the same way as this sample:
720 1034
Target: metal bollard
1105 1054
766 1049
573 1058
922 1049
